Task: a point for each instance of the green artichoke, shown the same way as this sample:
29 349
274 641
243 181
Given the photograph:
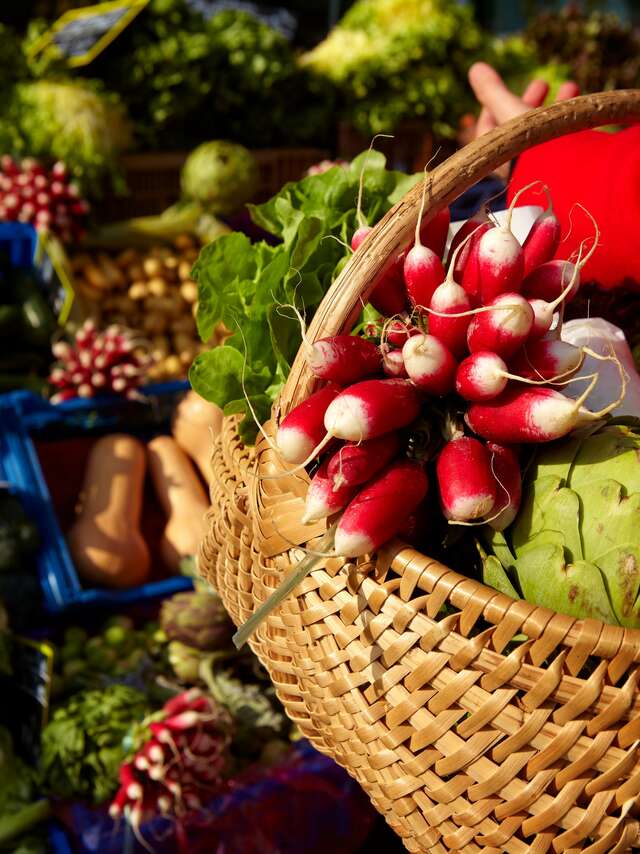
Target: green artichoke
221 176
197 619
185 661
575 545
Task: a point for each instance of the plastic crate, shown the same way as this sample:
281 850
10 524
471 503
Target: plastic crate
25 416
18 241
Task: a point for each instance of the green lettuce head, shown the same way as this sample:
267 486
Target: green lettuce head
221 176
575 545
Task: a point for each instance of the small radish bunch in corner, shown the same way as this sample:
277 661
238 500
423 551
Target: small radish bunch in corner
481 342
98 362
176 770
48 198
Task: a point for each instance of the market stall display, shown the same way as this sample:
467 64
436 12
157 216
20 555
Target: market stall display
477 693
379 428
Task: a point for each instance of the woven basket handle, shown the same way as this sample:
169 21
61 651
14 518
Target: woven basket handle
343 302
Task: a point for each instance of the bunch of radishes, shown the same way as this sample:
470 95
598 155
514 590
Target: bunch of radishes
46 198
486 337
177 769
98 362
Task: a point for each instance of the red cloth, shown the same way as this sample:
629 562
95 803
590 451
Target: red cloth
602 172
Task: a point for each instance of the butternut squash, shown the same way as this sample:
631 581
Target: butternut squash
105 541
196 423
182 497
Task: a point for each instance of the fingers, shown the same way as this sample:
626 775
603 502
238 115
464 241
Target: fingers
490 90
535 93
485 122
567 90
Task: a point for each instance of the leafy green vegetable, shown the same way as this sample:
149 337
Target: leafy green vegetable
247 286
82 745
20 809
76 122
600 50
393 60
185 78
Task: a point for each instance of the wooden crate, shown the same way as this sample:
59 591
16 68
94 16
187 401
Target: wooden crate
153 179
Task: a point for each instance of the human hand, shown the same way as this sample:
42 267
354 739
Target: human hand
499 103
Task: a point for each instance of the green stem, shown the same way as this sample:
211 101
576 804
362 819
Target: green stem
21 821
289 584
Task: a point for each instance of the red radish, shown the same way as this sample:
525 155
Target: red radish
371 408
481 376
533 414
506 471
500 258
343 359
503 328
353 464
467 486
468 264
129 781
547 359
466 229
381 509
185 700
429 364
359 235
543 239
396 332
543 311
423 270
393 363
434 231
549 280
323 499
303 427
389 296
118 804
450 298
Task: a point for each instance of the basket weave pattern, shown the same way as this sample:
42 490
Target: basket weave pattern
474 722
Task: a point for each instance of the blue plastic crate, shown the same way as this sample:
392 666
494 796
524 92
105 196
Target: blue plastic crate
18 240
24 415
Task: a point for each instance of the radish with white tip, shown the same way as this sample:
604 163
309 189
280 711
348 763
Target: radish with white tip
543 239
506 471
547 359
423 270
502 326
356 463
381 509
429 364
500 258
323 497
466 483
520 415
303 428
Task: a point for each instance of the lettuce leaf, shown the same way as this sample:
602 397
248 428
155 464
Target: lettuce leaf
247 286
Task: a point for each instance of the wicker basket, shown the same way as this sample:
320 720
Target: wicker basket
463 739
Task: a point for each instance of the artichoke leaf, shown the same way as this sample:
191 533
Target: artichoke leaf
561 512
610 449
530 519
610 518
495 576
576 589
558 458
498 544
621 570
543 538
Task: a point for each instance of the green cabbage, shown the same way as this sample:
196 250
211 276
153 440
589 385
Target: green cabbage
222 176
